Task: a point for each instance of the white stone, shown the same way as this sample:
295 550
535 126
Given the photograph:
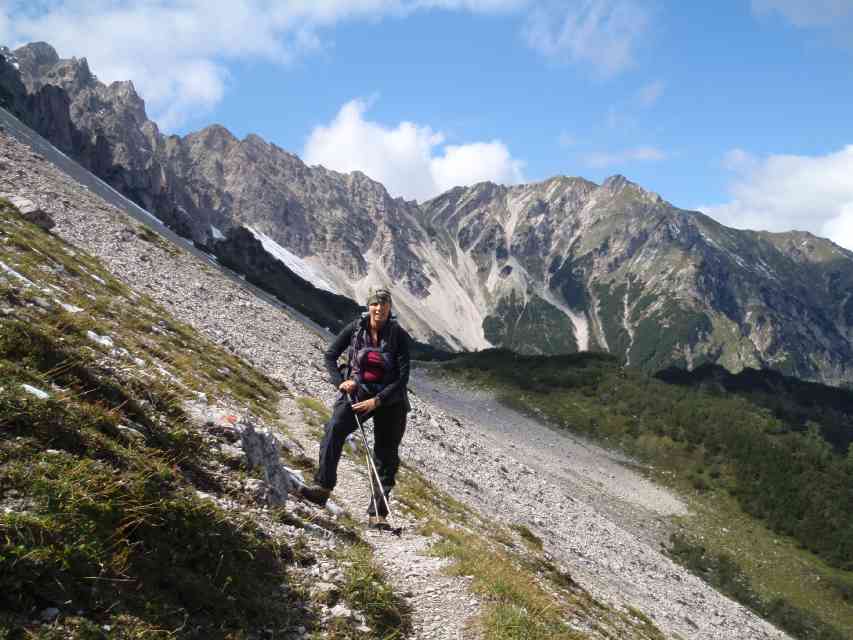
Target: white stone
104 341
132 433
70 308
38 393
340 611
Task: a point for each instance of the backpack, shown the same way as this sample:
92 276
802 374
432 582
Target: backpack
389 340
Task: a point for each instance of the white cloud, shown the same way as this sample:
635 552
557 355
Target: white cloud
408 159
467 164
648 95
784 192
602 33
176 53
603 159
806 13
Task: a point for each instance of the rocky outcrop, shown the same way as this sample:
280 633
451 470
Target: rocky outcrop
264 452
30 211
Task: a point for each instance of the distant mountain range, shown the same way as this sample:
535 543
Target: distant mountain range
550 267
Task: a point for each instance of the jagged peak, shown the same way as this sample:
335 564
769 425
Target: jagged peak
617 182
124 87
214 132
559 181
39 53
254 139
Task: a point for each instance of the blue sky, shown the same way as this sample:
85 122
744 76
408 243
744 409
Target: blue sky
741 108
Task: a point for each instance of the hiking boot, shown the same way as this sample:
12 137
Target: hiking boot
377 522
315 493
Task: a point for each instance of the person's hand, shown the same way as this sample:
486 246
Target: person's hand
365 406
347 386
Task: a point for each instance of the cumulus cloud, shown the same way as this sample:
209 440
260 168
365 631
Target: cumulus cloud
784 192
476 162
411 160
601 33
806 13
604 159
176 53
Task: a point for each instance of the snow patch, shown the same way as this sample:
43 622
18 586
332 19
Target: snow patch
293 262
216 233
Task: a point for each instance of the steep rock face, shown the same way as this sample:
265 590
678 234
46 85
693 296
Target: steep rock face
550 267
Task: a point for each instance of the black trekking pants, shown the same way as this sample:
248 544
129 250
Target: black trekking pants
389 425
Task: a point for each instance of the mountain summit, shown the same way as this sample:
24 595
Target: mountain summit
549 267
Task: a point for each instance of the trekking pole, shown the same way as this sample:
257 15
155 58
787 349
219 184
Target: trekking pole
373 473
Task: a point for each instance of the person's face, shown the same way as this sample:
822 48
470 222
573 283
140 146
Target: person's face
379 312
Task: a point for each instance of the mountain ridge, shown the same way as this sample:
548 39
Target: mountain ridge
547 267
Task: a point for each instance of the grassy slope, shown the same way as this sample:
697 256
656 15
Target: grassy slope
590 394
101 515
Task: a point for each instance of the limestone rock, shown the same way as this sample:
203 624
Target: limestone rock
262 450
31 211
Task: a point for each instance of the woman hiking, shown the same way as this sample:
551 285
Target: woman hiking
374 387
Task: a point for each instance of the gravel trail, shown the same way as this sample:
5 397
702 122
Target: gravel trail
441 606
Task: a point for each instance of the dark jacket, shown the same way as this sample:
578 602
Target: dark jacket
397 341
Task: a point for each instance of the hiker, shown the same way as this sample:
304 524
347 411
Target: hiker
374 386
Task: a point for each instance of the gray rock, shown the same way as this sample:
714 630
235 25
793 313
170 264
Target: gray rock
131 434
31 211
340 611
104 341
262 451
